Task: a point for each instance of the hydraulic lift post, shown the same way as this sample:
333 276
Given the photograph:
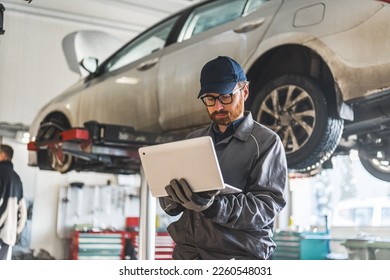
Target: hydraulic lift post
147 230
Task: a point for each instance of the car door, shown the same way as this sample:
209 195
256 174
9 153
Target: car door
125 91
231 28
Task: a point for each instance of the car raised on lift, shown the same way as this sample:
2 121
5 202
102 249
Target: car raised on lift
319 75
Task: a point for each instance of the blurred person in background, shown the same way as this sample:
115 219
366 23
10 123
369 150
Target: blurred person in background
13 211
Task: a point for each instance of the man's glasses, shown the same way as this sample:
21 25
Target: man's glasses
225 99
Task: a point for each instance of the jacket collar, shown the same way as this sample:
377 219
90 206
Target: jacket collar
244 130
6 163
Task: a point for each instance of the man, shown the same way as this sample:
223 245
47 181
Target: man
13 211
251 157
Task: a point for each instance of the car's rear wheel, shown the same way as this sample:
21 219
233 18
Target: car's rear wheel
374 155
294 106
53 158
377 167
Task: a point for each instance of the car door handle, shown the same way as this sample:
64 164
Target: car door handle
249 26
147 64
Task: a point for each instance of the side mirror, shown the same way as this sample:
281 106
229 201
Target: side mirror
90 64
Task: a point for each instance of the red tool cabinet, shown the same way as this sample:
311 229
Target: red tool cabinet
115 245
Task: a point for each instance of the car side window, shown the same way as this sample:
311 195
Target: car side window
253 5
211 15
386 216
363 216
146 44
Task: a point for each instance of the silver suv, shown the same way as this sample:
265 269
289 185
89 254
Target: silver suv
319 74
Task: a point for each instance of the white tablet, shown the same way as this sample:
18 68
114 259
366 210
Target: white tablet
192 159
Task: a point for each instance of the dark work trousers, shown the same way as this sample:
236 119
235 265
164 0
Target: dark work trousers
3 250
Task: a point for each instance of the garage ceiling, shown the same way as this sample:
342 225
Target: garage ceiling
126 15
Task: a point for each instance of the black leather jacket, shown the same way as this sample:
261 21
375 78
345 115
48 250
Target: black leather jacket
238 226
13 211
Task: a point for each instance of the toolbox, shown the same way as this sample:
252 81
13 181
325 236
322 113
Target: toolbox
293 245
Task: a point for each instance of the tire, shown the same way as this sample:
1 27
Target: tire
53 158
376 168
375 159
294 106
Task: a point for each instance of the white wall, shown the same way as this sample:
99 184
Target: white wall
44 222
32 66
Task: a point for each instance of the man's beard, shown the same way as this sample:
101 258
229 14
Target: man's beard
230 116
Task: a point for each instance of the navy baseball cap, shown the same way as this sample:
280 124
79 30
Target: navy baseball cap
220 75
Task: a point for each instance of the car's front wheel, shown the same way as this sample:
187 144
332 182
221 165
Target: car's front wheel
52 157
294 106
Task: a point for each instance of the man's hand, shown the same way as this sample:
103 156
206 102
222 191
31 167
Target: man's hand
180 192
167 203
170 207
